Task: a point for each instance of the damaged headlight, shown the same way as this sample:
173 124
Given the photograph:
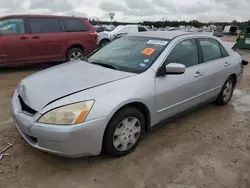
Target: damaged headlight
68 115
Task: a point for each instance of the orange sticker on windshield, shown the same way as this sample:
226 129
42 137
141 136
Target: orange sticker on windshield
148 51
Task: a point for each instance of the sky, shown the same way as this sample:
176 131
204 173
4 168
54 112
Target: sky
134 10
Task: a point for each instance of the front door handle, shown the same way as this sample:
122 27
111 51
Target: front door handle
227 64
24 38
35 37
198 74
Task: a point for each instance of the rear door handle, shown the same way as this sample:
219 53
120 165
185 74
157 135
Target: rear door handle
198 74
35 37
227 64
24 38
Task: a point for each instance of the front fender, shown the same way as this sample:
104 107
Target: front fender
112 96
127 102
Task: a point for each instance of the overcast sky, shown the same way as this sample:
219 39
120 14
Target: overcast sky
135 10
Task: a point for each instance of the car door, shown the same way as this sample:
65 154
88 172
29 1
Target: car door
177 93
14 42
215 65
47 39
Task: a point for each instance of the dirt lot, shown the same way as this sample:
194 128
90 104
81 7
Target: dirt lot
209 147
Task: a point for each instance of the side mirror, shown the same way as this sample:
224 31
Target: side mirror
175 68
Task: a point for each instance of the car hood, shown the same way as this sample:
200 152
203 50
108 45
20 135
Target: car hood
44 87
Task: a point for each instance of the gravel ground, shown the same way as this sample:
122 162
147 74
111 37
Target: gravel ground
209 147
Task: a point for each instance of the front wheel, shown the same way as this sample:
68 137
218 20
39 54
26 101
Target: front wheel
226 92
123 132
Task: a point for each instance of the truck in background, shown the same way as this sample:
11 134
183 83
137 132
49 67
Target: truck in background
230 30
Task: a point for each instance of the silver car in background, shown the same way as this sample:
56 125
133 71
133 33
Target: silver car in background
121 90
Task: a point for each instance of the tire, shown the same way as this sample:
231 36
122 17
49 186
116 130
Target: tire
226 94
104 42
117 141
74 52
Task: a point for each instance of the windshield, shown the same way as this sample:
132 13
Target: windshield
130 54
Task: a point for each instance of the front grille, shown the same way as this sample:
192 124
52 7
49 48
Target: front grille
26 108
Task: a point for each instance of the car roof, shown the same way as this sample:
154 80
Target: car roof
162 34
38 15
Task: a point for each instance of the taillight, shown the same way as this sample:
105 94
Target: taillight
94 35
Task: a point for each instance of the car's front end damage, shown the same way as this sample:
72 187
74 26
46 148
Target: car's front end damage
52 119
63 140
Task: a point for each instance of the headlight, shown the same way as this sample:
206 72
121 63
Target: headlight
68 115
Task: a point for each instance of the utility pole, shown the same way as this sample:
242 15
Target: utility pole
111 15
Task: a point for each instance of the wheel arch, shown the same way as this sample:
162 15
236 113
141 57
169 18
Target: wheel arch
143 108
103 39
234 77
75 46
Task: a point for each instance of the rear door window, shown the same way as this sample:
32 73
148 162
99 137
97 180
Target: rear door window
211 49
74 25
12 26
44 25
185 52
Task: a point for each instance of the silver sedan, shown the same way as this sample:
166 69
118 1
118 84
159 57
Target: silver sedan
106 102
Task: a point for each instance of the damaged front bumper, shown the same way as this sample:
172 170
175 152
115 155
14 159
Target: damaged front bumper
69 141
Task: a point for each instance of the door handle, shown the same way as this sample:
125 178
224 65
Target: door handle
198 74
24 38
227 64
35 37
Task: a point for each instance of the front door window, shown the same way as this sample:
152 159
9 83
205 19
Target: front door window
12 26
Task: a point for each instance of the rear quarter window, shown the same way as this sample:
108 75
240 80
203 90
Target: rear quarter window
74 25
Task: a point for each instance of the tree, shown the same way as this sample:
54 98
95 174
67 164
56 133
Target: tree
165 23
234 22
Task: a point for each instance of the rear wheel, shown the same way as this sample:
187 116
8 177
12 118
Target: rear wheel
123 132
74 54
226 92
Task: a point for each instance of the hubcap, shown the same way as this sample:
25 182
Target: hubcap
126 134
228 90
76 55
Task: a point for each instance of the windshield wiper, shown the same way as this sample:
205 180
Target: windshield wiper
105 65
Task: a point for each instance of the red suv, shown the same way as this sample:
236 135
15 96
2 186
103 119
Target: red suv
40 38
